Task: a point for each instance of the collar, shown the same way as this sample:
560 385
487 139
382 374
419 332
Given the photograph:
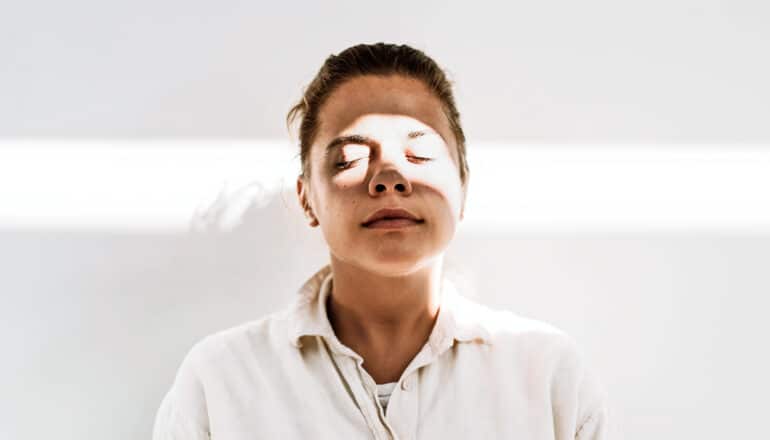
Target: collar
459 319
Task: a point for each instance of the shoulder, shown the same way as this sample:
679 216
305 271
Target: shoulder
551 354
537 340
509 331
215 363
520 340
259 336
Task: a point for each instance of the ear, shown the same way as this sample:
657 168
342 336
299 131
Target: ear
302 190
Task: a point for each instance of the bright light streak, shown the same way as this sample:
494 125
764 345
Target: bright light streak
136 185
175 185
641 188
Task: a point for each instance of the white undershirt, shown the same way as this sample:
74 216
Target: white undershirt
384 391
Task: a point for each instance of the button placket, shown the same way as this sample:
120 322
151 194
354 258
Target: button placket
370 386
362 396
406 408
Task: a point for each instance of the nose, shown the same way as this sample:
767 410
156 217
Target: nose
389 180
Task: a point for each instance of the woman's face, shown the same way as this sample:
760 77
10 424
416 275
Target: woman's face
400 125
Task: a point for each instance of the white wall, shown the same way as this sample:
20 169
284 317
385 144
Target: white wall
596 70
127 131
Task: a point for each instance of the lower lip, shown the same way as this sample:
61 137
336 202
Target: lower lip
397 223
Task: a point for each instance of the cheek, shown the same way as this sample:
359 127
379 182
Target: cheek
447 186
339 205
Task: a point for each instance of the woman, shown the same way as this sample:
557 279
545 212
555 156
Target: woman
379 343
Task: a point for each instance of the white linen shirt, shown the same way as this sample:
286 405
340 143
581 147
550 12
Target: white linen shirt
482 374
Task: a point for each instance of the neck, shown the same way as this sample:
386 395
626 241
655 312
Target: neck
381 315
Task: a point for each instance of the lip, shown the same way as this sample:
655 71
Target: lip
398 223
392 213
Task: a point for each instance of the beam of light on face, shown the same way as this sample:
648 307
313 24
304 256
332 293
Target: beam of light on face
166 185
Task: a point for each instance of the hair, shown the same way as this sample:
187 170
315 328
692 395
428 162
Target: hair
373 59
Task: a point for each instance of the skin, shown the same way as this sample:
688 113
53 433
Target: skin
386 290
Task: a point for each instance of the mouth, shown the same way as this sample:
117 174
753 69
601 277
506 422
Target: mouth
393 223
393 216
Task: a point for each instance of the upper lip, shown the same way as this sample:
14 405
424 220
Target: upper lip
390 213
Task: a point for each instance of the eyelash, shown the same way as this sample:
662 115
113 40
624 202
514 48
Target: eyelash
345 165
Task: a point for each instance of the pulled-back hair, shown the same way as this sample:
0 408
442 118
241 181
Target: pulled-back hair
373 59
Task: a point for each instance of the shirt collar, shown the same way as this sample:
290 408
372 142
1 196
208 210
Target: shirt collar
459 318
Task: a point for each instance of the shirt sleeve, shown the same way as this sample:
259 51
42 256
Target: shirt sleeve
579 398
593 414
594 427
182 414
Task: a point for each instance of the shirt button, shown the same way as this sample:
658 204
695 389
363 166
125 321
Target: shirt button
407 384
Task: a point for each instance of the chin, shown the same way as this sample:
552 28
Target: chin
396 264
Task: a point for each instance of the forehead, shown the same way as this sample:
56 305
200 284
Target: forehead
368 103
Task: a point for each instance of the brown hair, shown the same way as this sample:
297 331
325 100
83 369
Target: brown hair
373 59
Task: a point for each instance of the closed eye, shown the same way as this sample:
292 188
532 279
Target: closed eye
348 164
345 165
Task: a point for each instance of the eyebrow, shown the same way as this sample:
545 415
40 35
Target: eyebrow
364 140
